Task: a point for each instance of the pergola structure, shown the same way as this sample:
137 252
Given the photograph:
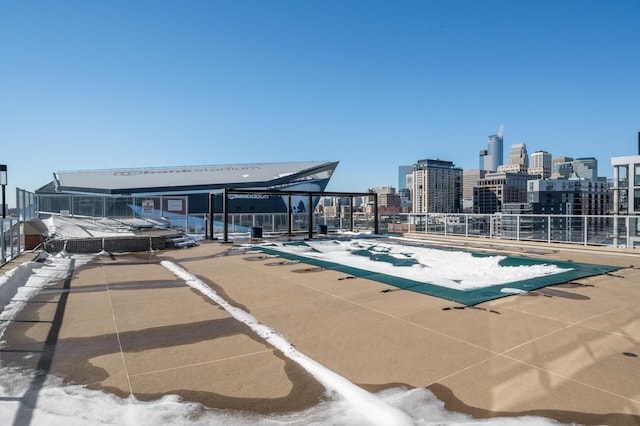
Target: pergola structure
228 191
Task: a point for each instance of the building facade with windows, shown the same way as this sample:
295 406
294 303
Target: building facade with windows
540 164
469 181
569 197
496 189
437 187
586 168
626 184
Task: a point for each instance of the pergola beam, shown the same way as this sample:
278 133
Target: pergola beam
309 194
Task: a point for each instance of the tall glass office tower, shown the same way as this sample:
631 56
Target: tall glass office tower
494 152
403 171
492 157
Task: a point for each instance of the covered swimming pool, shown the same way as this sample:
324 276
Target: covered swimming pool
465 277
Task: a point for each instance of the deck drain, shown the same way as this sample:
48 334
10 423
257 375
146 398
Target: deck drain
630 354
284 262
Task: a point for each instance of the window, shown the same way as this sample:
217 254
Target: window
636 175
636 200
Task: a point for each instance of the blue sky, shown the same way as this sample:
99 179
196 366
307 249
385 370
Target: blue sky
372 84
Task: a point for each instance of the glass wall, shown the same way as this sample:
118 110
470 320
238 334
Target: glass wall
173 207
27 205
10 239
614 231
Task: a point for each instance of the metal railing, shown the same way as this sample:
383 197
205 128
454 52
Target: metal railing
612 231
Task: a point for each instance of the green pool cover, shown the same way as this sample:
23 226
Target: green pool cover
466 297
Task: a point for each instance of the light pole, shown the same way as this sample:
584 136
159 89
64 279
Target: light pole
3 182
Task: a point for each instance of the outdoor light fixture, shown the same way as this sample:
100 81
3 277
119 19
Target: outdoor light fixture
3 182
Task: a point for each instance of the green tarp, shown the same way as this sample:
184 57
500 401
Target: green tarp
465 297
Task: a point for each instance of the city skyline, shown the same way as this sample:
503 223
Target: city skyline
371 85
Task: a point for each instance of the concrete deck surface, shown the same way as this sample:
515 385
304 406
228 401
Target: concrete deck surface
126 324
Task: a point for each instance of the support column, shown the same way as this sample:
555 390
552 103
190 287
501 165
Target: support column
376 226
289 214
210 219
616 204
225 214
310 216
351 208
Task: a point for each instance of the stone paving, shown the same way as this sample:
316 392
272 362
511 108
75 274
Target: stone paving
126 324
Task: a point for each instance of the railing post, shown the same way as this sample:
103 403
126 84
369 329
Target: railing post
19 236
627 243
466 225
548 229
584 226
491 226
517 227
445 224
2 258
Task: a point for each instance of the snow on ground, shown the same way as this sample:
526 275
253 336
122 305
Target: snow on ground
447 268
370 407
68 227
57 404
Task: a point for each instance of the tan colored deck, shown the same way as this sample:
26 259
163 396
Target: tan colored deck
130 326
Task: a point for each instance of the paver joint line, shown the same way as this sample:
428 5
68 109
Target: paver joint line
115 324
203 363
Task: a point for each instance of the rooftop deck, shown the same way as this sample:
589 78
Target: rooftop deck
127 325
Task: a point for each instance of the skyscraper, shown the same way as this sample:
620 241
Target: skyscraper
518 155
437 187
518 160
493 156
496 189
540 164
586 168
562 167
403 171
469 181
482 159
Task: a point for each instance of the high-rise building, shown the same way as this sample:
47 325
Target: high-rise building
626 187
518 160
561 167
495 189
572 197
562 170
437 187
482 159
469 181
518 155
562 159
586 168
492 157
540 164
495 152
403 172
